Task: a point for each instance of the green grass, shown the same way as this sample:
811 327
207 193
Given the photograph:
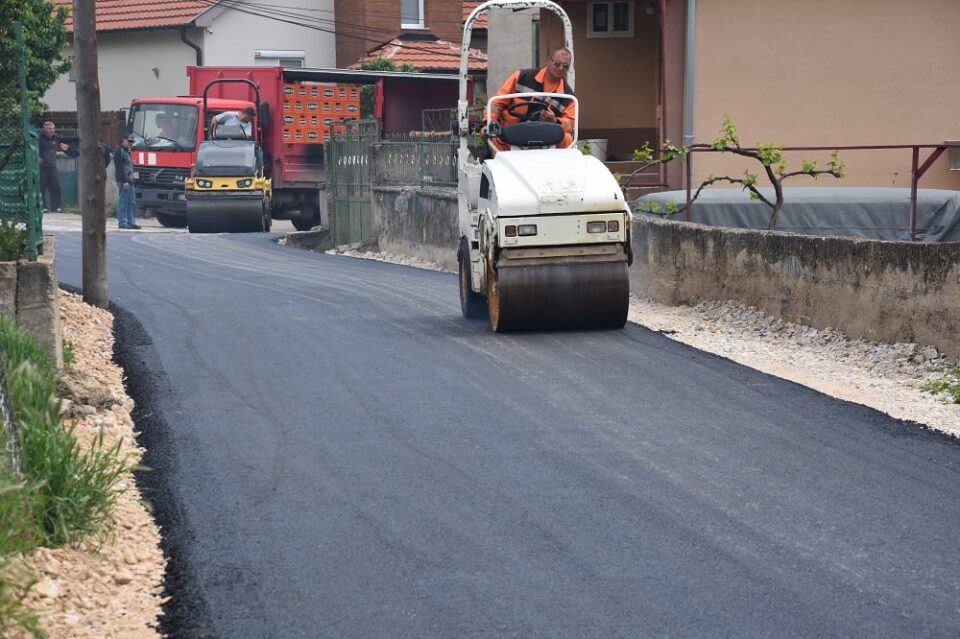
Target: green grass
13 241
69 353
66 493
948 385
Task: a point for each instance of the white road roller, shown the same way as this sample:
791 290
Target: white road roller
544 231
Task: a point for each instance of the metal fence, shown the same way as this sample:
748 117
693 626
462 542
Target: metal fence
20 167
415 163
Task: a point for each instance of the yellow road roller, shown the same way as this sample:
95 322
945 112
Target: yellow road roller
544 231
228 191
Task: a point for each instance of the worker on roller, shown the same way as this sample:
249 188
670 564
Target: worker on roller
243 117
551 78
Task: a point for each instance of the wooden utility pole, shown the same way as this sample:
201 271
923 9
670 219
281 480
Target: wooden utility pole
92 172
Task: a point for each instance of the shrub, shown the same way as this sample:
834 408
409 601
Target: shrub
13 241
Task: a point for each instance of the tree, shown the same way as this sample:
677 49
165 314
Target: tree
367 91
45 38
770 157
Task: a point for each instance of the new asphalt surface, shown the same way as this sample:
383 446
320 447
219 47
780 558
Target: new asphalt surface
338 453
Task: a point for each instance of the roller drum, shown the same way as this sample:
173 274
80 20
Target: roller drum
225 214
593 295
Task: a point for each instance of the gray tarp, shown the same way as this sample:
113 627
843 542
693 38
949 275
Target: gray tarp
877 213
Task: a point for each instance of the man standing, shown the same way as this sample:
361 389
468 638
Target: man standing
551 78
49 144
123 167
243 117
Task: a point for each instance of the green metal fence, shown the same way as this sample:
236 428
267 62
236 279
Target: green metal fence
20 168
349 153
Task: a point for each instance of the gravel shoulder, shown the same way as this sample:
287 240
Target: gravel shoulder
886 377
109 588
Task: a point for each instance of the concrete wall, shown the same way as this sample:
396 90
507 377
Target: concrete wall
881 291
509 44
29 292
417 222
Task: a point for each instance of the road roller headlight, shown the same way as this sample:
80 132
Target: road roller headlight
510 230
527 229
597 227
204 184
245 184
613 226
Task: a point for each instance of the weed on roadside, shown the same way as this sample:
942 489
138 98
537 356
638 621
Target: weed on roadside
13 240
948 385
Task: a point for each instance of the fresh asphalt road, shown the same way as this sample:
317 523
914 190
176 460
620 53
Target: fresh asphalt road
338 453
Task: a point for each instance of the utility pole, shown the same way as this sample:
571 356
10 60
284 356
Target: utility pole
92 173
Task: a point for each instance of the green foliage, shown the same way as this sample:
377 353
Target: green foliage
69 492
15 583
948 385
45 38
769 155
368 91
69 353
13 241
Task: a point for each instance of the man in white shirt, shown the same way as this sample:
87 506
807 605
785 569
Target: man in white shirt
243 117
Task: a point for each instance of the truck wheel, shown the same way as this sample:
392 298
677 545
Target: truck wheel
471 304
306 218
171 221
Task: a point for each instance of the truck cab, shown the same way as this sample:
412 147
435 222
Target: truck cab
167 133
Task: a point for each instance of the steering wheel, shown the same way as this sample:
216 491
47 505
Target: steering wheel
534 107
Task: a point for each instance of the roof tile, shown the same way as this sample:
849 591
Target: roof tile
468 7
118 15
435 55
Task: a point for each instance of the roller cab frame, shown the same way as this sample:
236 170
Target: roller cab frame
545 232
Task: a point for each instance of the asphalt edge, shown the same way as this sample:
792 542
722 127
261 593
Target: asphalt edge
186 612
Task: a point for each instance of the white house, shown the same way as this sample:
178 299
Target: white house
144 47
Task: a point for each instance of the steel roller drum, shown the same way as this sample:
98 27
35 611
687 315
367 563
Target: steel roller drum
559 296
224 213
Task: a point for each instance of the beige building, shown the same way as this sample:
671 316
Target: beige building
827 73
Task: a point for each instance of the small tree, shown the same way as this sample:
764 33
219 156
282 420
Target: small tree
367 90
770 157
45 38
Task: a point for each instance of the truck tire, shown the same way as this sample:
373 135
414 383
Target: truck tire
306 218
171 221
471 304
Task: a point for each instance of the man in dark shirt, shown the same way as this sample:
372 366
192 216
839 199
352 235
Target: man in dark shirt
123 168
49 144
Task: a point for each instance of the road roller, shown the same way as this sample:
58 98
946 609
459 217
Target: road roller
544 231
228 191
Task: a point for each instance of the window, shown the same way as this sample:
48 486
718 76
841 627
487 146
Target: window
411 14
610 20
276 58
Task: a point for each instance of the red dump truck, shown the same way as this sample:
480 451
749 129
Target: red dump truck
296 111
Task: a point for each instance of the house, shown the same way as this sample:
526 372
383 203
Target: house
144 46
430 55
818 73
362 25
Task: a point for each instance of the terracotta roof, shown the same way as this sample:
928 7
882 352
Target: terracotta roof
468 7
117 15
427 55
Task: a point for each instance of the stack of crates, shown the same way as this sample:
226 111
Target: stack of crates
310 110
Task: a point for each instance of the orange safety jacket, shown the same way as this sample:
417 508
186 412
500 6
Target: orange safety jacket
535 81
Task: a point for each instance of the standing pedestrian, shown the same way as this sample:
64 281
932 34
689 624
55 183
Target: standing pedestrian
123 167
49 144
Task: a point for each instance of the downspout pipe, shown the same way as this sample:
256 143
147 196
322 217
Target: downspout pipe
689 66
183 37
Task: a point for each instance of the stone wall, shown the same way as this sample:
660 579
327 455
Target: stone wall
419 222
881 291
29 291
